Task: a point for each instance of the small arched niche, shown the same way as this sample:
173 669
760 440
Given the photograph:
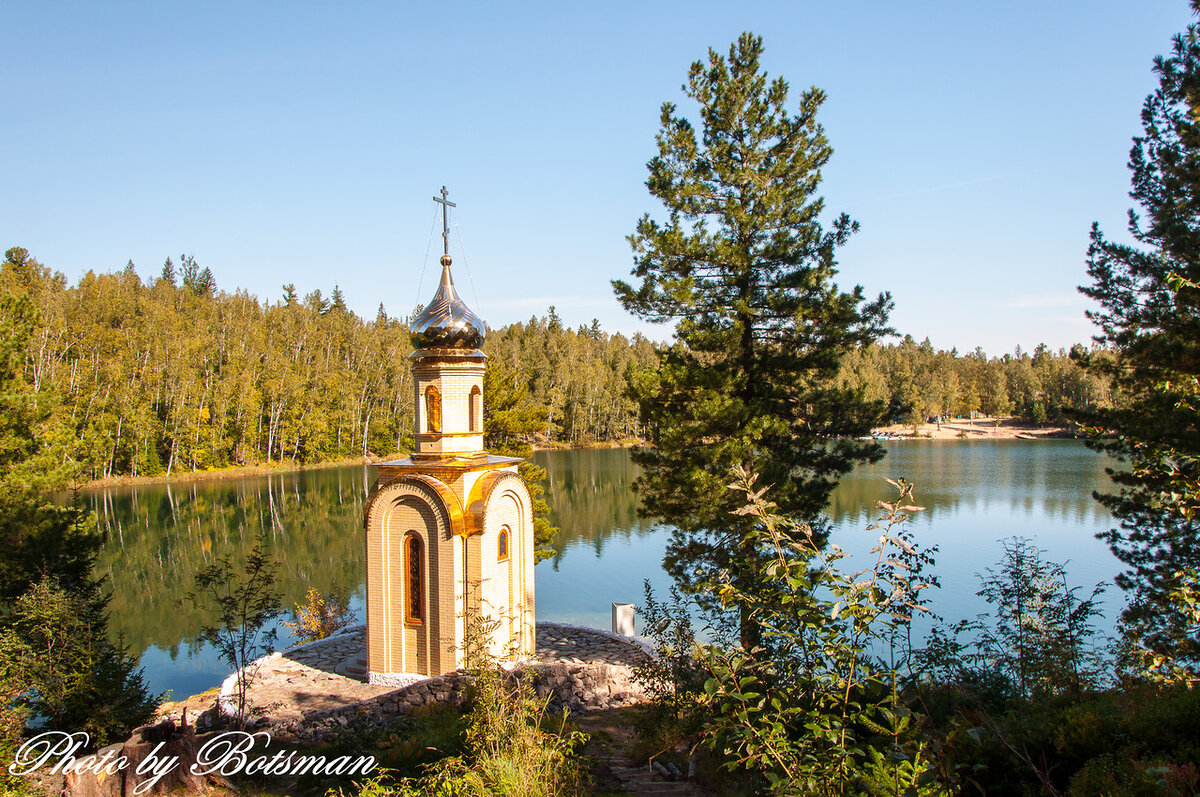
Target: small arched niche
433 409
476 409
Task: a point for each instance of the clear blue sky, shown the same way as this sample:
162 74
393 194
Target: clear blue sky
301 142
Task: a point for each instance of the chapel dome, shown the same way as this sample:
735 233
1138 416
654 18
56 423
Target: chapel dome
447 322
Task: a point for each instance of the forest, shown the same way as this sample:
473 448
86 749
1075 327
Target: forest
153 377
916 381
167 375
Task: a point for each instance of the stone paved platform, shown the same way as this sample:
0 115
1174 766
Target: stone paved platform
312 681
576 645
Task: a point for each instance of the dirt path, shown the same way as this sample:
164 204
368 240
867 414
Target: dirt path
615 773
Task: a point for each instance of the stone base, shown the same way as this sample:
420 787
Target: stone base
303 694
396 679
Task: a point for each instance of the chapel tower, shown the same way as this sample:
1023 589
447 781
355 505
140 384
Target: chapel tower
449 530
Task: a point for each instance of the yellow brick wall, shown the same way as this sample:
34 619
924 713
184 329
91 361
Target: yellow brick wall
455 380
393 645
510 584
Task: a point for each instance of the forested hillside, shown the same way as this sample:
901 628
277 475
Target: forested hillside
157 376
578 376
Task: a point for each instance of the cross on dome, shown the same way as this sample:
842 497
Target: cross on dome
446 205
447 323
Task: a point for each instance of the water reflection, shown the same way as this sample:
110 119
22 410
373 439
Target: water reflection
1053 478
975 494
604 550
592 499
978 493
159 536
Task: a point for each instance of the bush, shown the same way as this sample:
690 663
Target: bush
1037 641
673 678
244 604
1124 740
81 680
512 746
816 710
320 616
59 669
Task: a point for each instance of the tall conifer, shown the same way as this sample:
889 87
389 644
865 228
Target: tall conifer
1150 316
745 268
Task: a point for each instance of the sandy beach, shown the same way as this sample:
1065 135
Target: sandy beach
980 428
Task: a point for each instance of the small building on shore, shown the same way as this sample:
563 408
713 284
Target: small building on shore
449 529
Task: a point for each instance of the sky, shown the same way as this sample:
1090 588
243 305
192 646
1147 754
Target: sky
302 142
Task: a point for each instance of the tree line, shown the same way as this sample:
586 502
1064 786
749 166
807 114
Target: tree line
154 377
579 376
915 381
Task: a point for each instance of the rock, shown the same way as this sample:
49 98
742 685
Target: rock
81 781
163 741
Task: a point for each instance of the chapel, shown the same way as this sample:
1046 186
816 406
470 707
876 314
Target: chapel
449 529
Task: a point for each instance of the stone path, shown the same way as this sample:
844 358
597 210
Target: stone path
292 685
576 645
610 747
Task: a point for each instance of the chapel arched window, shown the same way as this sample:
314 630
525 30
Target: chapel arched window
502 544
414 595
476 409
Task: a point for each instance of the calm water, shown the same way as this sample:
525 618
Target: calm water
976 494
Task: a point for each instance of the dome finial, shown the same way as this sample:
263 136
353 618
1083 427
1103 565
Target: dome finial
447 322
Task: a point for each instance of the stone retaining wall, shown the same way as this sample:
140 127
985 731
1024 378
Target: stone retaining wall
577 668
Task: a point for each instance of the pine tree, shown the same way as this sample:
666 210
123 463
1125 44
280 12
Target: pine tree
745 269
1150 316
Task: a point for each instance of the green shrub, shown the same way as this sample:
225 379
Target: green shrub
673 678
1038 639
1062 743
1112 776
815 710
406 746
514 748
512 745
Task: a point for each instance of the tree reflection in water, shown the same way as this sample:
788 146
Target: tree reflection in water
159 536
975 493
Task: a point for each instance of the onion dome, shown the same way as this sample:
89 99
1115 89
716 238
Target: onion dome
447 322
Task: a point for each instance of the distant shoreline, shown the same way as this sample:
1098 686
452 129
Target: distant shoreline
236 472
956 429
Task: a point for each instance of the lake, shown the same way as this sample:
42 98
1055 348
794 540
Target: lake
975 493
